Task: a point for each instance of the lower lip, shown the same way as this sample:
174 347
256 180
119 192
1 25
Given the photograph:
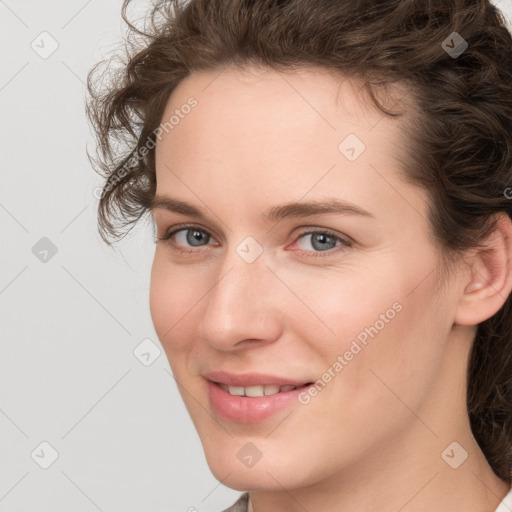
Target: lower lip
245 409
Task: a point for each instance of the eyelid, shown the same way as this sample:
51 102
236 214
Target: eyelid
331 232
179 227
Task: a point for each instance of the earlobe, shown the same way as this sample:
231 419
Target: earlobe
489 282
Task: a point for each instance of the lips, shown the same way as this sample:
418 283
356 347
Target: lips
252 379
246 409
251 398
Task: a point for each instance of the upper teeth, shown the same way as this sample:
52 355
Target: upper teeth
268 389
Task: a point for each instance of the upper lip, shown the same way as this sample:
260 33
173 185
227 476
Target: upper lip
251 379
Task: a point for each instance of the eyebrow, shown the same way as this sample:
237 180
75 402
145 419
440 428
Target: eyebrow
273 213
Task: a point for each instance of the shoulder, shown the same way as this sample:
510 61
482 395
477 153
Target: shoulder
241 505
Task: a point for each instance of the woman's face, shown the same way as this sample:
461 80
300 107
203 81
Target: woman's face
245 288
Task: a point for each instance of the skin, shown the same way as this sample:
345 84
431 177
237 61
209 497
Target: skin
372 439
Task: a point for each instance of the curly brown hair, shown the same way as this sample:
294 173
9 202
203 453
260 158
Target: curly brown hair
459 143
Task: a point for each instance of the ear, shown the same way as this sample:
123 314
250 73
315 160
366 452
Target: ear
488 282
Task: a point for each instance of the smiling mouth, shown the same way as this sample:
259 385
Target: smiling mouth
259 391
255 402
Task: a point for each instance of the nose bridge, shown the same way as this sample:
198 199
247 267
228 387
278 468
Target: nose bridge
239 305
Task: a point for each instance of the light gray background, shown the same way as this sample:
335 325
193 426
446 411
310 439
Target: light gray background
70 324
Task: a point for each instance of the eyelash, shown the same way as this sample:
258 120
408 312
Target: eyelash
344 243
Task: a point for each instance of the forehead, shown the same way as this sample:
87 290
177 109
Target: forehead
258 132
308 98
270 112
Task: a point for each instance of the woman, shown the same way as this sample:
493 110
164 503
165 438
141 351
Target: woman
330 184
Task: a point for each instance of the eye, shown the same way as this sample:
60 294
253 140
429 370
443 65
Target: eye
186 238
187 235
323 240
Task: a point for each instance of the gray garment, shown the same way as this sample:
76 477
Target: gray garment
241 505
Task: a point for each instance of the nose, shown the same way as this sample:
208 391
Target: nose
242 307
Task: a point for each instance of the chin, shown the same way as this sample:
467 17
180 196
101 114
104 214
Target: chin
271 472
251 479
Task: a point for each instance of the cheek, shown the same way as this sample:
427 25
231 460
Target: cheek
400 353
342 303
171 301
383 322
